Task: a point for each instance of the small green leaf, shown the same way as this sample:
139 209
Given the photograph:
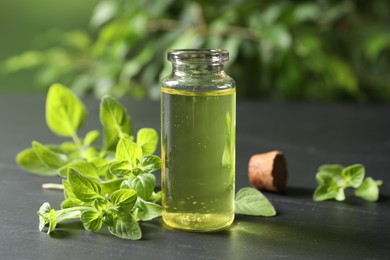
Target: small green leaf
332 170
70 203
83 188
92 220
148 210
127 150
101 165
108 219
52 217
115 120
157 197
91 137
86 169
122 168
110 186
29 161
68 193
143 184
124 198
252 202
50 158
150 163
353 175
368 190
328 188
68 147
147 139
62 215
126 227
43 213
65 113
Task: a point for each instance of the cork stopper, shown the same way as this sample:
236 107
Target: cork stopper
268 171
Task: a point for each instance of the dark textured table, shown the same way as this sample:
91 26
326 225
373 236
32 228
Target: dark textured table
309 134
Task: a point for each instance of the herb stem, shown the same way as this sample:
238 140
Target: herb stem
77 141
52 186
78 208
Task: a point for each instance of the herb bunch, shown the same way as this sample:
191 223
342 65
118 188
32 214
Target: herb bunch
333 179
112 184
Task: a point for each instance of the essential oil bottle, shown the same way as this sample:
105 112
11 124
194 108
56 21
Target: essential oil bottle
198 128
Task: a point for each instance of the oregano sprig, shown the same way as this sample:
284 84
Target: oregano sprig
333 179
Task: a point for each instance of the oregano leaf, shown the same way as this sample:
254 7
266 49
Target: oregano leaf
143 184
86 169
147 139
65 113
91 137
115 120
126 227
52 221
29 161
127 150
84 189
368 190
150 163
148 210
92 220
252 202
124 198
48 157
353 175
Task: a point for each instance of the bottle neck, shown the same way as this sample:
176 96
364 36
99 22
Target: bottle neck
201 69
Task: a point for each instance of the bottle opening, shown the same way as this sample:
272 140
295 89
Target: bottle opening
198 55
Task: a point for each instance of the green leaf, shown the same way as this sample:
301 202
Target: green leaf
122 168
332 170
66 215
50 158
92 220
86 169
157 197
353 175
127 150
70 203
115 120
65 113
126 227
43 213
83 188
52 221
252 202
69 194
103 12
29 161
110 186
147 139
143 184
91 137
328 188
101 164
150 163
108 219
369 189
124 198
148 210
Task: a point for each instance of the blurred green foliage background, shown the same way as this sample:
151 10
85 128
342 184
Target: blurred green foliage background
322 50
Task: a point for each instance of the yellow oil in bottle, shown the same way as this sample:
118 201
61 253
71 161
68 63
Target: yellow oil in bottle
198 152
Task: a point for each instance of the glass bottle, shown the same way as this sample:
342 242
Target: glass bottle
198 127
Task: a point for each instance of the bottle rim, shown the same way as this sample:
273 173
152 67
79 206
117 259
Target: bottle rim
198 55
